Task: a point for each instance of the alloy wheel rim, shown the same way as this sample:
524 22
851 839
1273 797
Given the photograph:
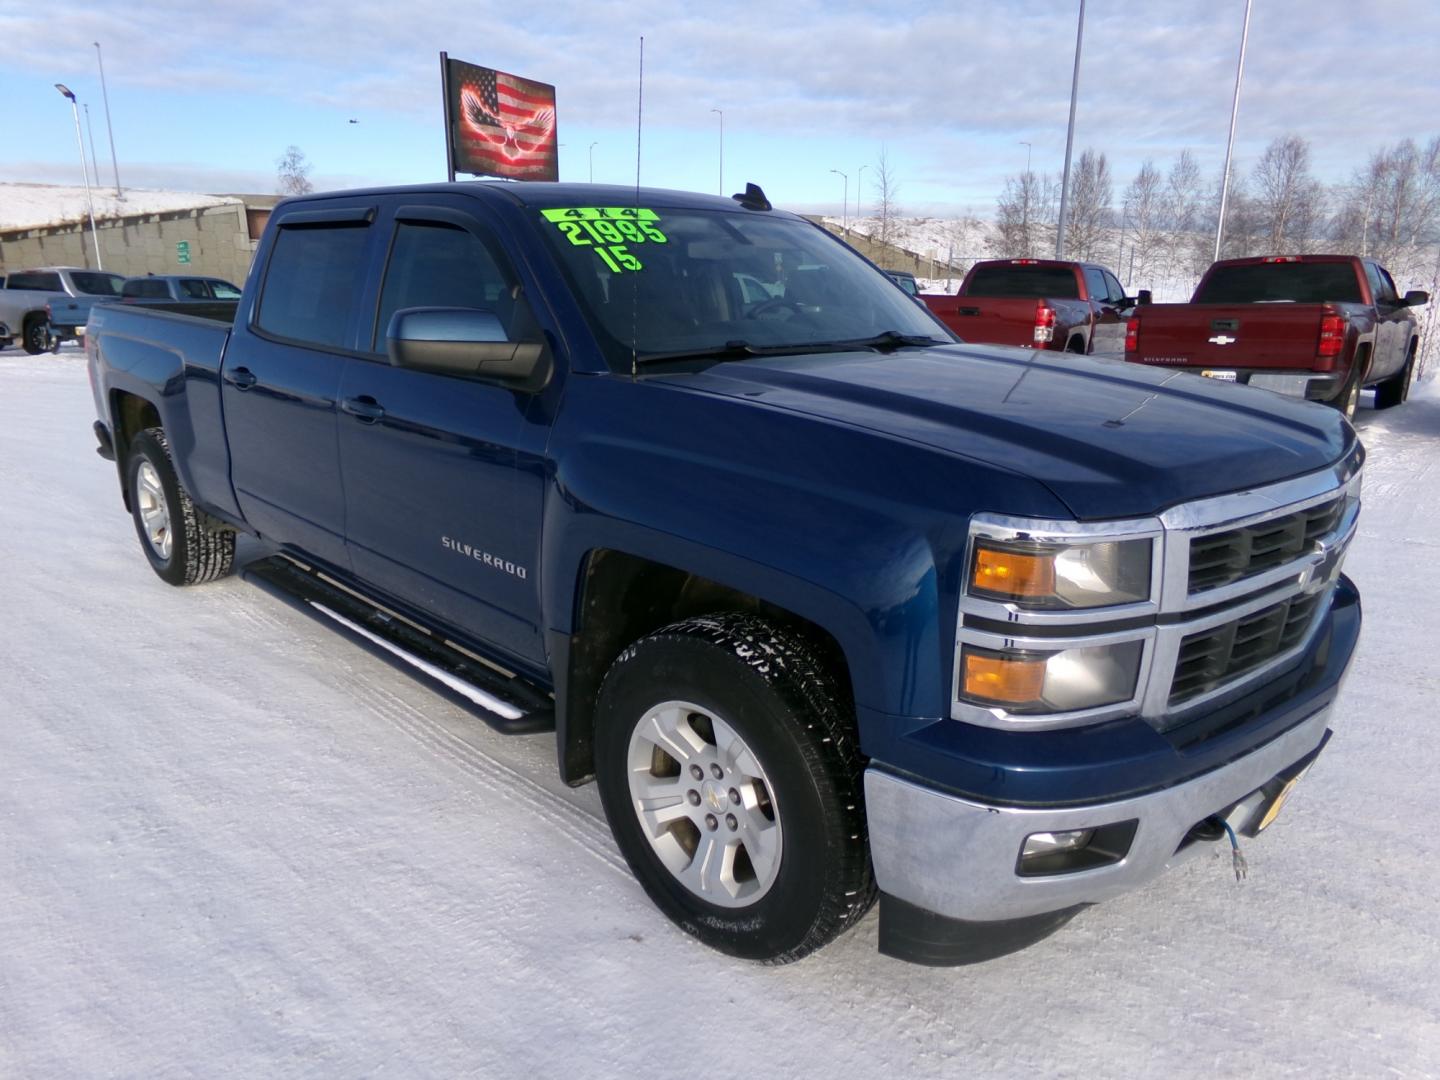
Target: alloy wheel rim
704 803
154 513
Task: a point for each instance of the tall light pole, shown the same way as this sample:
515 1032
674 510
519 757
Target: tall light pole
90 133
721 189
592 161
1070 137
106 94
1230 143
1026 145
844 200
84 175
859 175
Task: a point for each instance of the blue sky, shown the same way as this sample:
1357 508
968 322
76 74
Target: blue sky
206 97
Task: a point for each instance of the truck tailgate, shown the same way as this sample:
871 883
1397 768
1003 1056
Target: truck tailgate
991 319
1228 336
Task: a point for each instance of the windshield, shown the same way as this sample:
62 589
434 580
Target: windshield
694 281
224 290
90 283
1302 283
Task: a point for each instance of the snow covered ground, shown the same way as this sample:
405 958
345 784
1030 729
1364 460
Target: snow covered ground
233 845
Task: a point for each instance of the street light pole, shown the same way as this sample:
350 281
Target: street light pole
90 132
1230 143
84 173
106 94
1026 145
592 161
721 189
844 201
1070 137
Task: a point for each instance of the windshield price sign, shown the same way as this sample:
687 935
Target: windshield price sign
610 231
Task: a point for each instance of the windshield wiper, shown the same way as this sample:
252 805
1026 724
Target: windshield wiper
889 340
740 350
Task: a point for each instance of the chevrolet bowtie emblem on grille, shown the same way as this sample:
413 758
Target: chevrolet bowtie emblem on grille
1223 339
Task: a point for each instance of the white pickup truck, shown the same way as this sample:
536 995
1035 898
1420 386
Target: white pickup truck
26 292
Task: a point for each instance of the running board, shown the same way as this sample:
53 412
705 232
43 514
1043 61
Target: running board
507 702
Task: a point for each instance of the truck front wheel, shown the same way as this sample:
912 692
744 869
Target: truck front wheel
36 336
728 766
182 545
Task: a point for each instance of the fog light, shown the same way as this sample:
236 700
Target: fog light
1047 853
1047 843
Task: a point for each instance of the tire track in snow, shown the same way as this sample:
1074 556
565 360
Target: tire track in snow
589 832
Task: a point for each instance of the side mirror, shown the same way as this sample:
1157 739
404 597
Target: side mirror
465 342
1144 297
1416 297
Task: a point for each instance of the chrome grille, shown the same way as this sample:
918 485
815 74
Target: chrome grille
1212 658
1235 554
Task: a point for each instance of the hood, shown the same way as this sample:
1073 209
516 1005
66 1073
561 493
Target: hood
1109 439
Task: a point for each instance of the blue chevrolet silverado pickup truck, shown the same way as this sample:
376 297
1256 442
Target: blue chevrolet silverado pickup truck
830 605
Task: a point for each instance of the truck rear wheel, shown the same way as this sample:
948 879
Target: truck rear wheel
730 773
1348 400
181 544
1394 390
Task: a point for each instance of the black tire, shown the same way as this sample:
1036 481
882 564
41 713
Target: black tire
1394 390
772 690
36 337
1348 400
197 550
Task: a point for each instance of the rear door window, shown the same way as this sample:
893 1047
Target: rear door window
194 289
312 281
146 288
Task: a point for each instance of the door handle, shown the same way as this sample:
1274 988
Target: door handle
241 378
365 409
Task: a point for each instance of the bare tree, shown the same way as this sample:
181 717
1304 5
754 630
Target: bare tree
1393 203
1287 201
1188 246
1142 220
1089 210
887 188
293 174
1025 217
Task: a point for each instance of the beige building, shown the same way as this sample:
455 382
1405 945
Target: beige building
145 232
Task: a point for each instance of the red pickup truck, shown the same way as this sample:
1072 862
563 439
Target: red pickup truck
1040 304
1320 327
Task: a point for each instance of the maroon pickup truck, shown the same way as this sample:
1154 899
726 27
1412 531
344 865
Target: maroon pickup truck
1320 327
1040 304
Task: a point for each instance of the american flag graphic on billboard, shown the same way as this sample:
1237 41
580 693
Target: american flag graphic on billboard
500 125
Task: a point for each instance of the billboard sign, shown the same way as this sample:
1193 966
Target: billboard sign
499 124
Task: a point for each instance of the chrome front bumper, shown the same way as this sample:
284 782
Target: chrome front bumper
958 858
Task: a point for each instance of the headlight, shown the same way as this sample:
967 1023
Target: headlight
1066 680
1051 575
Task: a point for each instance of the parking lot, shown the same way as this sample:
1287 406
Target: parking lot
238 846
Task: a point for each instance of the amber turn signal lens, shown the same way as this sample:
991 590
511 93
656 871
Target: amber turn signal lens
1013 573
996 678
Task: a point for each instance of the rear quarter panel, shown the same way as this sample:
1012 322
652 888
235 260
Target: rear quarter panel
173 362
